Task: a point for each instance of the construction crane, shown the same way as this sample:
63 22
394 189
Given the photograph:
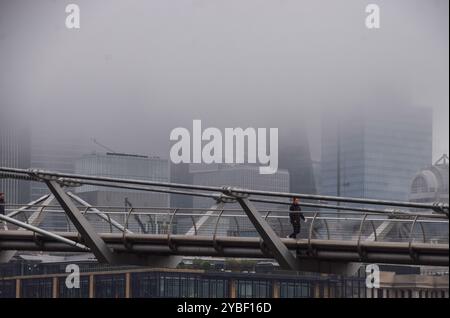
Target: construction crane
103 146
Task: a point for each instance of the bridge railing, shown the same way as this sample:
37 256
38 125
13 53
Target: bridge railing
351 226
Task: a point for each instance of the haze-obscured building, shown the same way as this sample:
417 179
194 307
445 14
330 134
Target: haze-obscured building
431 184
243 176
54 152
295 157
14 153
129 166
121 201
374 152
179 173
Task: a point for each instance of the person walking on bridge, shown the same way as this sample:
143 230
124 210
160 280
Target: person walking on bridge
2 203
295 215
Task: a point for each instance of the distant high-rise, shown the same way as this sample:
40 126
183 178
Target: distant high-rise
127 166
374 152
179 173
123 166
14 152
295 157
239 175
52 151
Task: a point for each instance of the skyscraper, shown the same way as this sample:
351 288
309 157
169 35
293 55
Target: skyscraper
52 151
14 152
295 157
179 173
374 152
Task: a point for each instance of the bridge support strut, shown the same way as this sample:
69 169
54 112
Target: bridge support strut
281 253
92 239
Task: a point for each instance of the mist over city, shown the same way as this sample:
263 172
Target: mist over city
137 69
224 149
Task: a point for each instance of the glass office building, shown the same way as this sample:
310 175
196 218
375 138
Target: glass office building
127 166
243 176
117 165
374 152
15 153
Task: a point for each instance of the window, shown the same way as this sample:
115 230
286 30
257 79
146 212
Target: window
419 185
144 285
109 286
253 289
82 292
295 289
37 288
7 288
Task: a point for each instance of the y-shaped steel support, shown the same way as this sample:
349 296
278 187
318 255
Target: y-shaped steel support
281 253
92 239
35 219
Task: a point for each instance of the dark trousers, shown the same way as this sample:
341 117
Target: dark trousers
296 227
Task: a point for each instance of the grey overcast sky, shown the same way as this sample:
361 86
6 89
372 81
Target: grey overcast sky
139 68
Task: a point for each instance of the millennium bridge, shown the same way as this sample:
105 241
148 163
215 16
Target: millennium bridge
339 233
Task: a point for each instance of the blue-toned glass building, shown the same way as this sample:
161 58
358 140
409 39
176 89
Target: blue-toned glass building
374 152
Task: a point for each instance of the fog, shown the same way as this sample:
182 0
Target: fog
137 69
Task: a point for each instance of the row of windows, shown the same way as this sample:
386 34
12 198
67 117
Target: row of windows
407 293
182 285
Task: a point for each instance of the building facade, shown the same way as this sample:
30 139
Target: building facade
117 165
98 281
179 173
126 166
431 183
15 153
54 152
295 157
243 176
374 152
